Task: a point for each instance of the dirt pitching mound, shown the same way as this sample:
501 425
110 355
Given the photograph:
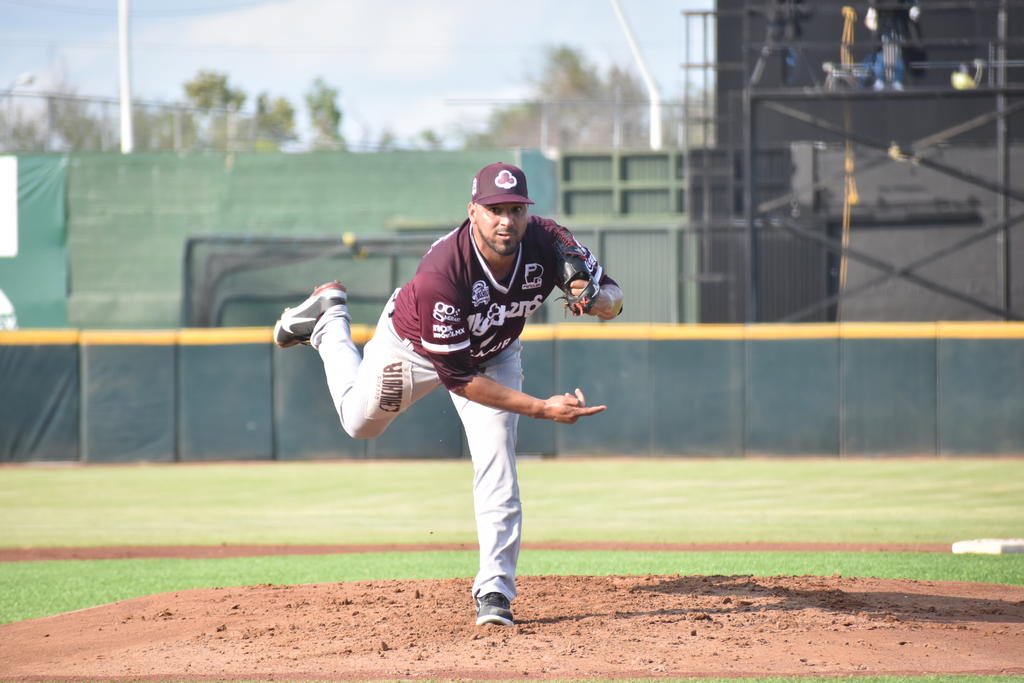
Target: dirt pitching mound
568 627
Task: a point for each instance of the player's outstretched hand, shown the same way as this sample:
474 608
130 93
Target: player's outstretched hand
567 408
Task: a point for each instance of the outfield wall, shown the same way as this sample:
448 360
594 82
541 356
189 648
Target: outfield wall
856 389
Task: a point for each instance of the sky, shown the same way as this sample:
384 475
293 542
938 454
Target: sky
400 65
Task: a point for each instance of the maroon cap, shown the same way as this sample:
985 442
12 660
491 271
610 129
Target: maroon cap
500 183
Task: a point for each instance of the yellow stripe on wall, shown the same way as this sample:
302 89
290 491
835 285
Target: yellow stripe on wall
710 332
980 330
599 331
793 331
887 330
623 331
199 336
362 333
128 337
538 333
38 337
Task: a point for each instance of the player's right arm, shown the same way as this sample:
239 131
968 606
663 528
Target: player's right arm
565 408
445 337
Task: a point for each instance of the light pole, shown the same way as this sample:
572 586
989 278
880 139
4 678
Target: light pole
127 133
652 89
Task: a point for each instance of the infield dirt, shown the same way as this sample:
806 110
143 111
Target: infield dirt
567 627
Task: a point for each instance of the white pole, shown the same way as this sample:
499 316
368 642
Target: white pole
127 134
652 89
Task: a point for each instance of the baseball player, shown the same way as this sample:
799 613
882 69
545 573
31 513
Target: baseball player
457 323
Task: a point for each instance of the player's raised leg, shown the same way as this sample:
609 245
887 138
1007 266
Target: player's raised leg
370 390
296 324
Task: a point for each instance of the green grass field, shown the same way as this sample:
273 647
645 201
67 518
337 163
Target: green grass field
660 500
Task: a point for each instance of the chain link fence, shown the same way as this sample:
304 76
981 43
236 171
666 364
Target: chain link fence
58 122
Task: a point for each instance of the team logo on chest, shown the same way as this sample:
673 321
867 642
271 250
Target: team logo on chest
481 293
533 276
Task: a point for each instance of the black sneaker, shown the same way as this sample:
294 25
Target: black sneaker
493 608
296 324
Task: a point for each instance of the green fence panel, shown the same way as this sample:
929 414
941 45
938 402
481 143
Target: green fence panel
129 215
792 404
224 403
611 372
430 428
306 425
888 396
537 437
39 402
35 276
981 396
128 402
697 396
640 260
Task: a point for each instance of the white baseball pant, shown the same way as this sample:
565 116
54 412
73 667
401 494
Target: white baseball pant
371 391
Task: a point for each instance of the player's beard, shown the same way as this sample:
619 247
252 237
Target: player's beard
500 248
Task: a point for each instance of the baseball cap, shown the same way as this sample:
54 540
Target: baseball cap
499 183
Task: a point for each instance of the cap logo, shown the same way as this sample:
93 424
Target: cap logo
505 180
473 191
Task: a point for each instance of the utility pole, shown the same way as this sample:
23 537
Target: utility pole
127 132
652 89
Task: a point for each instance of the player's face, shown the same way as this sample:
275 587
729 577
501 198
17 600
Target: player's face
499 228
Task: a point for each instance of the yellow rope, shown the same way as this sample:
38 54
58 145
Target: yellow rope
850 185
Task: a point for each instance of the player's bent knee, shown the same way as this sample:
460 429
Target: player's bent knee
364 429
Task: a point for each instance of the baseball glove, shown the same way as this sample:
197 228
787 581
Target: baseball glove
572 266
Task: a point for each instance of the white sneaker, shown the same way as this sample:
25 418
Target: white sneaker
296 324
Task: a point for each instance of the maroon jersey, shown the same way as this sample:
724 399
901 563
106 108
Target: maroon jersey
458 315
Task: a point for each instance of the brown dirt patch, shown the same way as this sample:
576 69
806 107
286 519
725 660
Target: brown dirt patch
568 627
220 551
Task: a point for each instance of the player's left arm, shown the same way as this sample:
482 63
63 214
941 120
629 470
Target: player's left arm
587 288
608 302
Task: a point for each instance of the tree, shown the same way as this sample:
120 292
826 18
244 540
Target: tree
430 139
20 132
387 141
74 124
325 116
210 90
574 105
275 122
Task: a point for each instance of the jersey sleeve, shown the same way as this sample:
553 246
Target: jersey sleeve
444 331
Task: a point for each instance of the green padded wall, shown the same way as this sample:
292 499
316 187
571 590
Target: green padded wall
306 425
833 390
697 390
981 396
613 373
40 398
128 397
224 404
888 396
537 437
430 428
792 402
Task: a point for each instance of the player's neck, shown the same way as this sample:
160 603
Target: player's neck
500 265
